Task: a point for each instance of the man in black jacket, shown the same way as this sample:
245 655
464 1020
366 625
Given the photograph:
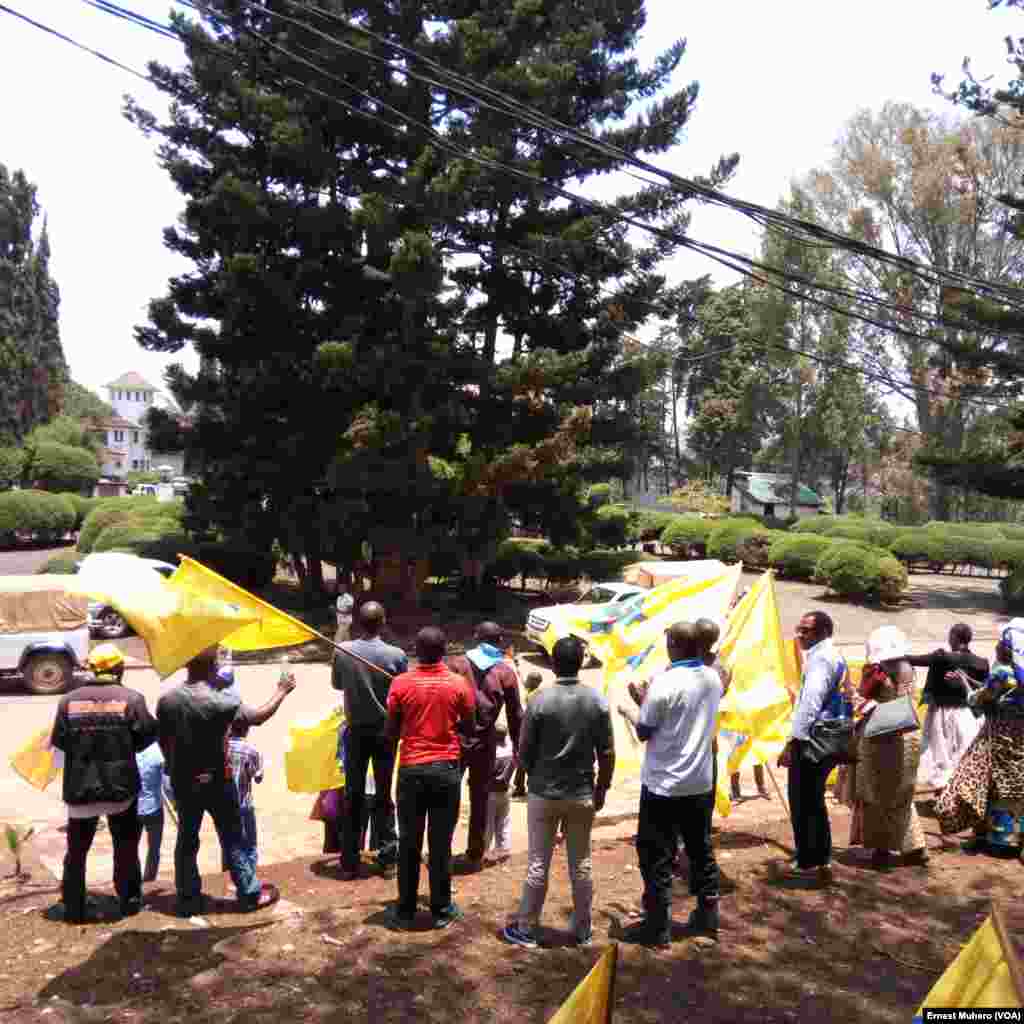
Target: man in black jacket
99 729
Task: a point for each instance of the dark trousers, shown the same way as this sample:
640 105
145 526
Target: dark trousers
362 747
219 799
811 829
125 832
428 801
153 824
479 763
663 821
519 782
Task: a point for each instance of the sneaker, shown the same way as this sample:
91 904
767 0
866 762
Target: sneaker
466 865
192 908
267 897
447 917
643 934
585 941
519 937
976 844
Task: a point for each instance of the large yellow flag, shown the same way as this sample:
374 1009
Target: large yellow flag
635 650
754 717
176 623
593 999
269 627
980 976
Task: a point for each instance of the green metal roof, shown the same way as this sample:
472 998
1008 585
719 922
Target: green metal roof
770 489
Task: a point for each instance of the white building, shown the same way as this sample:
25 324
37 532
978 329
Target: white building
125 443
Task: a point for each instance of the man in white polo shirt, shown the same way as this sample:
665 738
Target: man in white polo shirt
677 719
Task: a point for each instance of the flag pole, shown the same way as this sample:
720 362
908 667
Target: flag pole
771 775
1009 952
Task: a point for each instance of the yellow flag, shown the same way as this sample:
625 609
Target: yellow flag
311 760
592 1001
635 650
176 623
754 717
35 762
978 977
269 627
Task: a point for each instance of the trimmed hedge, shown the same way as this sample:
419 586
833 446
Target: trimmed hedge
650 526
1012 589
138 510
739 540
614 526
48 517
530 560
795 556
851 569
684 532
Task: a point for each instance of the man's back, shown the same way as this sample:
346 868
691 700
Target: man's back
366 691
431 701
567 726
493 690
195 718
100 727
681 709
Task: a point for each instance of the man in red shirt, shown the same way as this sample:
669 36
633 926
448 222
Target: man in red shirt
495 686
426 707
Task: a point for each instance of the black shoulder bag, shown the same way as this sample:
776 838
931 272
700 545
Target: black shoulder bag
832 738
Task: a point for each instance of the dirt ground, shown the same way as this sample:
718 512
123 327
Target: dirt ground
866 950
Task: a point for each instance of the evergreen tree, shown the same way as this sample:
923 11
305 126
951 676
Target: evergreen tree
403 346
32 367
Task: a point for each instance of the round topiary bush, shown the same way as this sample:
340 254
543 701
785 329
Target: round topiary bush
47 517
605 565
813 524
129 535
796 555
1012 589
683 534
739 540
1010 555
613 526
855 570
651 525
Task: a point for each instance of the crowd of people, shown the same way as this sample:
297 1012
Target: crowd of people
444 720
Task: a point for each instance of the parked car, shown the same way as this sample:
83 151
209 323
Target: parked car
596 611
107 622
44 632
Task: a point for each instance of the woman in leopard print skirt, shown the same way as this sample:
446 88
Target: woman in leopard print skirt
987 788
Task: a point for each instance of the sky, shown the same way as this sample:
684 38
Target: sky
777 83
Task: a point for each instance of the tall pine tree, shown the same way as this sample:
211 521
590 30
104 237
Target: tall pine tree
403 345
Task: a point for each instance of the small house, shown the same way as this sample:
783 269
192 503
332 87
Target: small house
768 494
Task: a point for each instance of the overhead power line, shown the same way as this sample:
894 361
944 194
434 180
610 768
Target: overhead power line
719 255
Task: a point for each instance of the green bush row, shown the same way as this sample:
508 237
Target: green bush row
523 559
46 516
145 513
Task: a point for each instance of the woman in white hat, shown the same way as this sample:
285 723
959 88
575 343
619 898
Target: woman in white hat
885 819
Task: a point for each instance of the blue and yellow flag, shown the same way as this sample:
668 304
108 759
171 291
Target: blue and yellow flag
755 715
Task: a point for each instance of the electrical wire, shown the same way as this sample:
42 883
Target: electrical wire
4 9
713 252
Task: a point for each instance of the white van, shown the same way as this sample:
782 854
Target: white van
44 631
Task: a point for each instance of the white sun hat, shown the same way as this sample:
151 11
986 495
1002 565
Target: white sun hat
887 643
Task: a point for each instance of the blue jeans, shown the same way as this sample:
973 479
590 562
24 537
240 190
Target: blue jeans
219 798
250 847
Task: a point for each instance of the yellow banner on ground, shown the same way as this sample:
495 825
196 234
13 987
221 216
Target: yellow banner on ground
980 976
36 762
593 999
311 760
269 626
176 623
635 650
755 715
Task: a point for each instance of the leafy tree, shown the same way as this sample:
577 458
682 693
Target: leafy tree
926 187
32 366
61 467
697 496
80 403
354 286
65 430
